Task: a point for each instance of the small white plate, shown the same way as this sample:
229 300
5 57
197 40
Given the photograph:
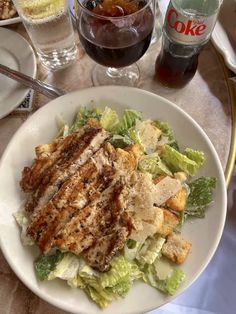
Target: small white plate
41 128
16 53
224 34
11 21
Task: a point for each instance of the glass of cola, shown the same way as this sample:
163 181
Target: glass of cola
115 34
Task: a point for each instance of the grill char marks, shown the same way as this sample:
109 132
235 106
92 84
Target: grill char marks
46 156
79 204
83 187
103 226
78 152
91 193
111 238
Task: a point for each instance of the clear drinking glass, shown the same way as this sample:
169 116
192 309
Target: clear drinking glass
115 33
49 26
158 24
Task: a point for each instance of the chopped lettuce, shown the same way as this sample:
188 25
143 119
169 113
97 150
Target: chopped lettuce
122 287
169 285
179 162
44 265
195 155
153 250
102 298
133 134
109 119
23 221
105 287
127 121
153 164
167 132
120 268
83 116
76 282
119 141
200 196
131 249
102 288
66 268
63 127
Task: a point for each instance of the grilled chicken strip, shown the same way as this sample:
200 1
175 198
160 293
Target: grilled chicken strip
78 188
83 187
80 149
104 226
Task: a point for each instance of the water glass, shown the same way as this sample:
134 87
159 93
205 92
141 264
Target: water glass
49 26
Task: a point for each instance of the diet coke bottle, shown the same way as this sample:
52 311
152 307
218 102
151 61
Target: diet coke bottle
187 28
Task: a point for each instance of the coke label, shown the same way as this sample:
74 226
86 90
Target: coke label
188 29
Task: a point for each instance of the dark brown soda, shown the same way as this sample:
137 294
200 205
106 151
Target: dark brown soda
107 41
116 57
174 71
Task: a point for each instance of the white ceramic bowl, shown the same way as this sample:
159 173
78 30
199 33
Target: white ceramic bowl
41 128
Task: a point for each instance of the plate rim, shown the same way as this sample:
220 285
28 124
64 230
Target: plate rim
43 295
10 21
25 90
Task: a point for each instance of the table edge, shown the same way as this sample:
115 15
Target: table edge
232 94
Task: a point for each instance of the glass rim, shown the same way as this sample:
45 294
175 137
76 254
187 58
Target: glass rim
111 18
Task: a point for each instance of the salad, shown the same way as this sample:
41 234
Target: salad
163 183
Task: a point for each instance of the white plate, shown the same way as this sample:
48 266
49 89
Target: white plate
224 34
41 128
16 53
11 21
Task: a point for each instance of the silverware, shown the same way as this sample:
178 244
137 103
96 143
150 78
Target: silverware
39 86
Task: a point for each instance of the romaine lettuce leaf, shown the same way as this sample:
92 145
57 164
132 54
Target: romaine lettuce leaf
195 155
23 221
200 196
104 287
173 283
179 162
153 164
169 285
109 119
120 268
62 126
67 268
122 287
133 134
131 249
44 265
168 132
76 282
127 121
102 298
153 250
83 116
119 141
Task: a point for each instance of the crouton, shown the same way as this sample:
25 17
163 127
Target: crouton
169 224
135 149
178 201
176 248
125 161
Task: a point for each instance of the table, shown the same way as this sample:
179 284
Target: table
209 98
